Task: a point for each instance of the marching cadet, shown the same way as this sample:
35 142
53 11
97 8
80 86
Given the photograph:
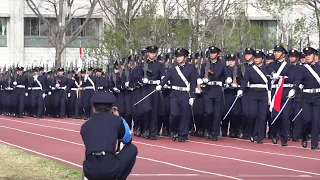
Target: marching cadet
280 71
245 99
8 87
100 136
73 94
20 86
309 78
297 101
127 81
101 80
49 100
165 102
214 74
230 93
137 111
89 84
59 88
151 72
183 80
256 76
198 102
269 58
38 89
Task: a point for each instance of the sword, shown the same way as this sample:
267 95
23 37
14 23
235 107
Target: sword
297 115
234 102
144 98
280 110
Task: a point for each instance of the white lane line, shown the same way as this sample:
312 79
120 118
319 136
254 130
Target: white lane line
233 147
179 150
257 151
153 160
274 176
234 159
53 127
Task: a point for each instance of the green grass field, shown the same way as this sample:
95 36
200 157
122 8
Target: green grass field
16 164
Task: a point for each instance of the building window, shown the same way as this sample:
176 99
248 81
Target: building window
3 32
37 32
268 27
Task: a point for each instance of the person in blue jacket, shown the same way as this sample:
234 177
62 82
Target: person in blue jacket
100 135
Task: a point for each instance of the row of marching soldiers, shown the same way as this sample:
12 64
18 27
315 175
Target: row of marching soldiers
278 92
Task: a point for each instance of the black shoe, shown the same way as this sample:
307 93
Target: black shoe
174 136
181 139
251 139
275 139
206 135
224 134
315 148
284 143
304 143
153 137
295 140
213 138
259 142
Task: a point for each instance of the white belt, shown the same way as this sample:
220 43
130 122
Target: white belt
100 87
202 85
214 83
315 90
153 82
61 88
89 87
180 88
36 88
20 86
7 88
74 89
284 85
258 86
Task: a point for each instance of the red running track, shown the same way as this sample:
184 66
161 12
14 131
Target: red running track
60 140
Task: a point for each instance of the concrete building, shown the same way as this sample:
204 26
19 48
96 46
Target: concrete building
24 40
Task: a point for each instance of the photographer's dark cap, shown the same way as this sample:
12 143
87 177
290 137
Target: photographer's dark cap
103 98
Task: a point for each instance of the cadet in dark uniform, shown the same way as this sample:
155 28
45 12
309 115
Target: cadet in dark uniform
100 135
258 94
20 87
59 85
183 79
309 78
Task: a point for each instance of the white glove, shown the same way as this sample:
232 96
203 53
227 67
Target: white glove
199 81
126 84
53 88
166 86
191 101
275 76
205 80
234 85
228 80
162 77
26 94
158 88
301 86
49 93
15 83
57 85
116 90
69 94
197 91
145 80
43 95
29 88
291 93
239 93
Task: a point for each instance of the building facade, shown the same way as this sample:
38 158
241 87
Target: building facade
24 39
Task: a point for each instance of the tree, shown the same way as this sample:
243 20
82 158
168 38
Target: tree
65 11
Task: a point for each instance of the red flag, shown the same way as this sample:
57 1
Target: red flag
81 52
278 96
